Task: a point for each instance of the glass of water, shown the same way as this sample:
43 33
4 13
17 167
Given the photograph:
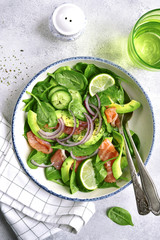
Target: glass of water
144 41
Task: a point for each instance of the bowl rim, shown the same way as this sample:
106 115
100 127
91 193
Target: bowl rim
20 98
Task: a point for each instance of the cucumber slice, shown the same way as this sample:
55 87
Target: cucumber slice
54 89
60 99
75 95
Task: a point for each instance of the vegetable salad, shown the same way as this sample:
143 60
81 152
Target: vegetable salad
72 126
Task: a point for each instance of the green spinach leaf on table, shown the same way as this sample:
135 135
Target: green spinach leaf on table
120 216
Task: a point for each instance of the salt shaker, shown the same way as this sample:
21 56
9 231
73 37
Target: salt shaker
67 22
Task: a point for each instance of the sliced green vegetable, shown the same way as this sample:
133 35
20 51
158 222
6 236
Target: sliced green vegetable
94 138
32 121
125 108
120 216
61 99
65 169
116 167
67 118
73 185
54 89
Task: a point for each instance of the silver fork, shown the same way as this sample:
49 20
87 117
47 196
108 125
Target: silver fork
142 203
149 193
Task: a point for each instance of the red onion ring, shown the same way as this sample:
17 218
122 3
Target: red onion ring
73 130
85 138
100 118
41 165
99 101
56 133
83 158
87 106
91 127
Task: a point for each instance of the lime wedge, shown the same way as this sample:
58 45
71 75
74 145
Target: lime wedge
100 83
86 175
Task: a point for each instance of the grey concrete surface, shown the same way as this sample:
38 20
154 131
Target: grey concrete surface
27 46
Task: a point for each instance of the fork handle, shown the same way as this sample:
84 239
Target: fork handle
142 204
147 183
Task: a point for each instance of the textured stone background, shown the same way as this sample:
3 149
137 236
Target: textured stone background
27 46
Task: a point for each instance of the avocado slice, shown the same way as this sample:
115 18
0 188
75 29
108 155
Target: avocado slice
116 167
67 118
66 168
125 108
94 138
32 121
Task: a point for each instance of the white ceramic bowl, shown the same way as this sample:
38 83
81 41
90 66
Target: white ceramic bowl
142 123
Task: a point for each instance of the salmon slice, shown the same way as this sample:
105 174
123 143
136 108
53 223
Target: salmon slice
82 125
107 151
38 144
58 158
112 117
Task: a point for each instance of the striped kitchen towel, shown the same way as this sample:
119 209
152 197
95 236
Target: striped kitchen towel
32 212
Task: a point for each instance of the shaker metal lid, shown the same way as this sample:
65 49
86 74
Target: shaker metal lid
68 19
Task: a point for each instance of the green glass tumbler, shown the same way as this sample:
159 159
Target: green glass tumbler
144 41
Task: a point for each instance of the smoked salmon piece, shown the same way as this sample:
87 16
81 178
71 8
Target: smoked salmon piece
107 151
38 144
112 117
82 125
58 158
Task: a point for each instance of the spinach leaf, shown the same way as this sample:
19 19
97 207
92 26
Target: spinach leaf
120 216
80 67
41 86
29 104
112 94
46 115
109 128
100 171
91 71
135 139
38 157
107 185
59 70
51 173
77 151
78 109
73 185
71 79
26 128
